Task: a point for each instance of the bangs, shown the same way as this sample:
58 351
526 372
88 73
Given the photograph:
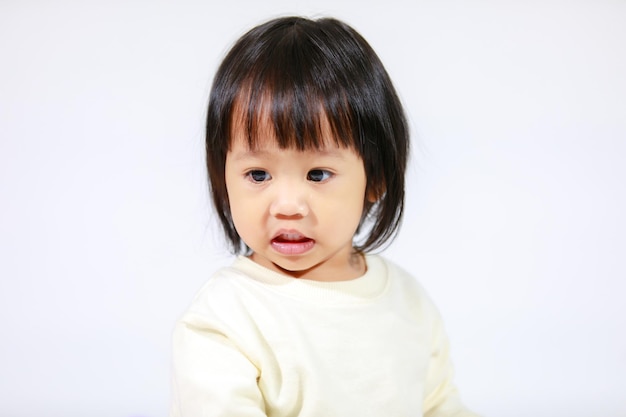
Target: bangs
293 117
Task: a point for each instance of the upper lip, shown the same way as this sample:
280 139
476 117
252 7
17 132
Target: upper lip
290 235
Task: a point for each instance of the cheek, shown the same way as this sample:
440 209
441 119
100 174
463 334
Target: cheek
347 205
243 218
239 208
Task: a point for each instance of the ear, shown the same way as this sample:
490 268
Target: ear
374 192
371 196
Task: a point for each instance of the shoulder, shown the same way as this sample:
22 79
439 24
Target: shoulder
222 297
396 274
402 285
228 309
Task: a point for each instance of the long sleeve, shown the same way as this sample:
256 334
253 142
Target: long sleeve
441 396
211 376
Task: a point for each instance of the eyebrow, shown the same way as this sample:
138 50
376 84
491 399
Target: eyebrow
261 153
251 153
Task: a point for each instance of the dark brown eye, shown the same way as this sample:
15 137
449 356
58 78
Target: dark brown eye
318 175
258 175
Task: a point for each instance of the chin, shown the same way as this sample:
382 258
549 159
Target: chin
293 267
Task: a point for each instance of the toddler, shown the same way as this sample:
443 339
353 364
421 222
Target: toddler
306 147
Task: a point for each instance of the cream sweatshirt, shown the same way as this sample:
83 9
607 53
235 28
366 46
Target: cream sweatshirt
258 343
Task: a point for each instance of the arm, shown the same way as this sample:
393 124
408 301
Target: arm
210 375
441 396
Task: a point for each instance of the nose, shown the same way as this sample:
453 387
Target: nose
289 200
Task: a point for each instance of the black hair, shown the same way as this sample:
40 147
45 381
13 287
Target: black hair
301 75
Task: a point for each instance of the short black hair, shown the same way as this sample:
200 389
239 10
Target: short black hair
303 74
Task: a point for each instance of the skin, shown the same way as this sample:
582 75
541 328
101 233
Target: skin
298 211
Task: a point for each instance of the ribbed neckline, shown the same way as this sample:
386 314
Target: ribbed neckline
365 288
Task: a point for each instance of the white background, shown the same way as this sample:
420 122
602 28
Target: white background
514 223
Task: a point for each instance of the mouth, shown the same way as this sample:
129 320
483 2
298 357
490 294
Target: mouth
291 243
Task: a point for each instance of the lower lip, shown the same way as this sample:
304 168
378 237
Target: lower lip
293 248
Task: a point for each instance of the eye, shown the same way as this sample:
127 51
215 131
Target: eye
318 175
258 175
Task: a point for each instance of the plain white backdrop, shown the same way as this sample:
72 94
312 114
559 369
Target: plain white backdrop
514 221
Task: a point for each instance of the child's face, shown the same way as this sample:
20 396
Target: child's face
297 210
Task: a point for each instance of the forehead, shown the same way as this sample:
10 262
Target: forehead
269 155
269 148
